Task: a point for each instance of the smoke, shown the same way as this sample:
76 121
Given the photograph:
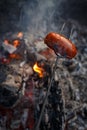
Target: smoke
37 16
40 16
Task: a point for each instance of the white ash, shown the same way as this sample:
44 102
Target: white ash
9 48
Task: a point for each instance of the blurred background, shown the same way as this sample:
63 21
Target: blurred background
42 15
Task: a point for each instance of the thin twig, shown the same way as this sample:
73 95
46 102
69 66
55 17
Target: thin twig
45 101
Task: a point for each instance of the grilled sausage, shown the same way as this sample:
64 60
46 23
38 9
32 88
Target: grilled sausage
60 45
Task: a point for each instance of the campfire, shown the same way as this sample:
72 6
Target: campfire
30 82
35 88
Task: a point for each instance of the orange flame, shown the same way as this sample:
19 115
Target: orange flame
20 35
16 43
38 69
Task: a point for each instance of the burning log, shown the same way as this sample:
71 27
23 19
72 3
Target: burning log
16 48
8 47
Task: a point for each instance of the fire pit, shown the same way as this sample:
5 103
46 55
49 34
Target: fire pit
25 74
25 86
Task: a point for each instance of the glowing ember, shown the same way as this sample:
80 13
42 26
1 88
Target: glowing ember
10 49
16 43
14 56
38 69
6 41
5 61
20 35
